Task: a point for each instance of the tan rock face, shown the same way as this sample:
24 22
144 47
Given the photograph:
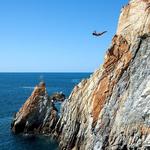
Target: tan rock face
111 109
134 19
116 61
37 115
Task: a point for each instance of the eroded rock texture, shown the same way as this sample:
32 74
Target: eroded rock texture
111 109
37 115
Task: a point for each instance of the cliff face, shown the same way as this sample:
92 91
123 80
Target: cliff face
37 115
111 109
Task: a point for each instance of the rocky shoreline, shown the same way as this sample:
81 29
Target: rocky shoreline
111 109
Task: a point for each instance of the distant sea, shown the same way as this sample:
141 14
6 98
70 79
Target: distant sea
15 88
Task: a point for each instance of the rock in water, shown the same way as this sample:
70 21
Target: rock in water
111 109
57 97
37 115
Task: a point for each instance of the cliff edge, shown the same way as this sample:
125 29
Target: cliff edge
111 109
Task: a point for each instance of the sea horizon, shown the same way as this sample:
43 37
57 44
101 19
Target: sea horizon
47 72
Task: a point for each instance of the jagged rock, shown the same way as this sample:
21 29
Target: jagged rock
58 96
37 115
111 109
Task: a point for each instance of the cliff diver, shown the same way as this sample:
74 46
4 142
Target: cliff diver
98 34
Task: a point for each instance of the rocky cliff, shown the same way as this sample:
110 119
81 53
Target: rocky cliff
111 109
38 115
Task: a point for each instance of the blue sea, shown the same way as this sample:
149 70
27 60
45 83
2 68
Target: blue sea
15 88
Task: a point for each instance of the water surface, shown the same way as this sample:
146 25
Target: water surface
15 88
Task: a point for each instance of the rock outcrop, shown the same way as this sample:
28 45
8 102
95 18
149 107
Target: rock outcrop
111 109
57 97
38 115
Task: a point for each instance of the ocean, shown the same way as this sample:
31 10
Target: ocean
15 88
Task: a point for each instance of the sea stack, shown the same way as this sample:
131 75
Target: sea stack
37 115
111 109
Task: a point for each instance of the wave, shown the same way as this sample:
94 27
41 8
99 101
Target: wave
27 87
5 119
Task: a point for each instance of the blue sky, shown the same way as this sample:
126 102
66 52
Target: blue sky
55 35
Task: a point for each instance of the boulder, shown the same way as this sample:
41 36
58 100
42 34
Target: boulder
57 97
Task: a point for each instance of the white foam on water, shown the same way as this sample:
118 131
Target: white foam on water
27 87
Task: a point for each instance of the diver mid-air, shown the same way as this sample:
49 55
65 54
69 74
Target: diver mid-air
98 34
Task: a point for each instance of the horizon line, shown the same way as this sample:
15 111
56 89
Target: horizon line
46 72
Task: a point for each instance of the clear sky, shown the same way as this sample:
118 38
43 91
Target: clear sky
55 35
